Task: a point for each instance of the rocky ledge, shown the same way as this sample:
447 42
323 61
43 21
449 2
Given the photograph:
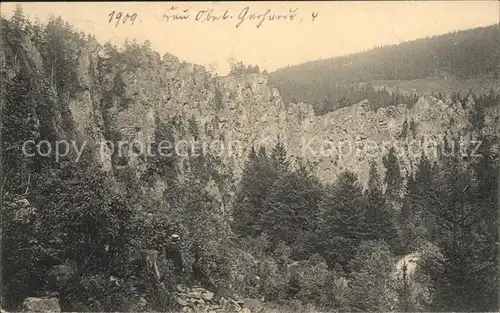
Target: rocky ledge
200 300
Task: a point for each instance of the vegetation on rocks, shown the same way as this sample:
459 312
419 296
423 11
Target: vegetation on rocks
333 83
92 236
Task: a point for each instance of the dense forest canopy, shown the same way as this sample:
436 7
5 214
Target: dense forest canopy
462 55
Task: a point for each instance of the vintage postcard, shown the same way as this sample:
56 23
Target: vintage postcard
277 156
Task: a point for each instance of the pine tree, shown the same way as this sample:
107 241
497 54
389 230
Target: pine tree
19 124
292 211
19 18
193 127
404 130
405 292
413 220
476 117
371 284
163 163
279 158
378 217
392 179
452 201
343 222
485 172
57 50
413 128
251 199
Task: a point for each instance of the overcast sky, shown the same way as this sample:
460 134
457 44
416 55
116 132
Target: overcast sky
338 28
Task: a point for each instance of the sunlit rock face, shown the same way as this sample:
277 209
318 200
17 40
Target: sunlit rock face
234 113
124 99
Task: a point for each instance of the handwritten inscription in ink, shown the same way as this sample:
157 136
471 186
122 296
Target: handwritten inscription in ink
120 17
245 16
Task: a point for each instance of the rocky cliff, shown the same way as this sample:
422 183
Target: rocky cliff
124 97
236 112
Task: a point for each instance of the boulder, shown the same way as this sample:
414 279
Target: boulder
194 294
207 296
197 289
22 203
140 305
41 305
200 300
233 306
181 301
187 309
60 275
254 305
180 288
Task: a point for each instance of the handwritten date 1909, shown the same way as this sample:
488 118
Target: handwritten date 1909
123 18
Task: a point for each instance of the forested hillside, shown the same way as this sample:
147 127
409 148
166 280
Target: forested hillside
86 235
461 55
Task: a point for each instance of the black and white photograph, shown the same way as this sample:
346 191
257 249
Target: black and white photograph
250 156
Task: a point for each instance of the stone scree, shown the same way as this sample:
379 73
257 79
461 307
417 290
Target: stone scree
199 300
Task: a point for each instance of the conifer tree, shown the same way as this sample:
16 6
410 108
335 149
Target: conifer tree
413 128
252 196
476 117
413 220
343 222
19 18
371 283
392 179
404 130
459 215
163 163
378 217
405 292
292 210
19 124
279 158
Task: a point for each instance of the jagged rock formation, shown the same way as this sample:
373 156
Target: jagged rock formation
203 301
245 110
124 98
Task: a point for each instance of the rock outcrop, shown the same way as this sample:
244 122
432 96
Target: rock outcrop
234 113
407 264
203 301
125 99
41 305
60 275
